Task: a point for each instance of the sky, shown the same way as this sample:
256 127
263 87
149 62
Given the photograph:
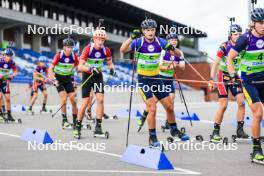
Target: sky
210 16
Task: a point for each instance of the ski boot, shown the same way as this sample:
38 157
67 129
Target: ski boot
216 138
10 119
98 132
30 111
66 124
155 143
77 131
241 135
177 135
257 155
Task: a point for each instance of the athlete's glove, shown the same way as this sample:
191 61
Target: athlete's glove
211 84
135 34
235 79
112 72
169 47
94 70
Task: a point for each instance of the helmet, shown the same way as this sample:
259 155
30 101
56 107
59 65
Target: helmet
8 52
257 15
99 33
148 24
234 28
68 42
75 49
172 36
42 59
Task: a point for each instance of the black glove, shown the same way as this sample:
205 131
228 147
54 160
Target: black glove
169 47
95 71
112 72
135 34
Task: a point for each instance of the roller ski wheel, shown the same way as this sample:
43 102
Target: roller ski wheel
3 120
101 135
199 138
183 130
115 117
88 127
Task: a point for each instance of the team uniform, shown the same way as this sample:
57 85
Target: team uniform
94 58
148 59
64 70
6 68
37 84
166 60
148 55
223 75
252 69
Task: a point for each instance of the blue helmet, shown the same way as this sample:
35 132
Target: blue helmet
42 59
8 52
257 15
172 36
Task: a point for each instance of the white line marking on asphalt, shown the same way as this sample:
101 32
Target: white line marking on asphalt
182 171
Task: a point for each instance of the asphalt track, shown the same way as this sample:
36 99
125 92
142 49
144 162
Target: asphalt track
16 159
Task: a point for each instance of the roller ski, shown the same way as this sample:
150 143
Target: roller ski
30 111
66 125
141 122
257 155
241 136
10 119
44 110
178 135
99 133
155 144
89 117
216 138
165 127
2 119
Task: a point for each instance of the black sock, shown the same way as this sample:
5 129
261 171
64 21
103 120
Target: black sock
3 108
30 107
74 118
217 126
152 132
43 105
9 112
79 124
64 117
173 126
256 143
240 124
98 122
